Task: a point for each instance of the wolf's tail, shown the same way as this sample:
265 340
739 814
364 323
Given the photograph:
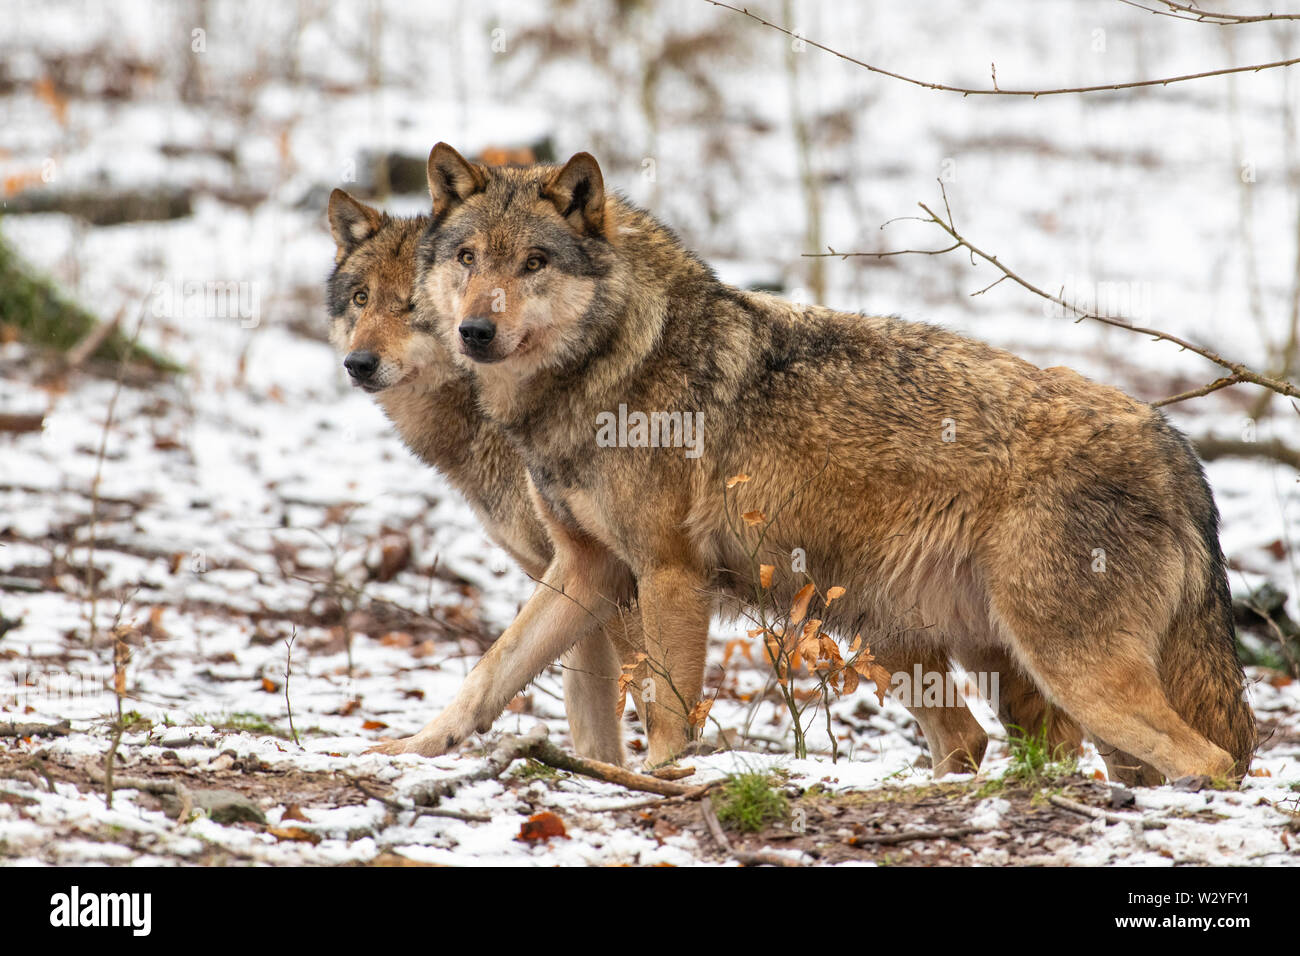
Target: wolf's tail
1199 667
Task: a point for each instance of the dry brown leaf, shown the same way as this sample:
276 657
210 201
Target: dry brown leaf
294 812
799 609
765 572
541 827
373 725
833 593
736 479
699 713
752 518
297 834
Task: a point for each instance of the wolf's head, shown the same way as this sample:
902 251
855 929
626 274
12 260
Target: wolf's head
385 341
513 259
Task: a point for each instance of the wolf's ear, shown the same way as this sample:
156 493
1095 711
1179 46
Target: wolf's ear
351 222
578 191
451 178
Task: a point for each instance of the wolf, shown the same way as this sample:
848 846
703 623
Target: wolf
395 356
965 500
391 352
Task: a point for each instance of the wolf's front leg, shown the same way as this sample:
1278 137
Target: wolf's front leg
675 608
578 594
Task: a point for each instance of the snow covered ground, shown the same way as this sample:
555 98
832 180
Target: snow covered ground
257 496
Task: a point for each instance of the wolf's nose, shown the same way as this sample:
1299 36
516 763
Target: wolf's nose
477 331
361 364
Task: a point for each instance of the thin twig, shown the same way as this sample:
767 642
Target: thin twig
1214 386
288 664
1184 11
92 582
995 91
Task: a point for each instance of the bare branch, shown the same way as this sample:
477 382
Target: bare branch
1186 11
1240 372
995 91
1214 386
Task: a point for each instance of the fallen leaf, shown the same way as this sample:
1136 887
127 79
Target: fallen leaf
373 725
294 812
296 834
269 685
541 827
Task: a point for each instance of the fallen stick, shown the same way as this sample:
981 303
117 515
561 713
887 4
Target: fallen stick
546 752
1098 814
509 749
156 787
16 423
61 729
715 827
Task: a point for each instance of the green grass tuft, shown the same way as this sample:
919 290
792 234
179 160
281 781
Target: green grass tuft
749 801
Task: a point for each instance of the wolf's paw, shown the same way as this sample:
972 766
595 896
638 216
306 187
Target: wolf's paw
426 745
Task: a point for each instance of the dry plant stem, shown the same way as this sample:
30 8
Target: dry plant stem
92 584
1097 814
994 90
288 665
1187 11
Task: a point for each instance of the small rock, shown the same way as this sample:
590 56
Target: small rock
1192 784
1122 797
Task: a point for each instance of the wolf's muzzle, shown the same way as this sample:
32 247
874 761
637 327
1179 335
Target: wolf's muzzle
361 365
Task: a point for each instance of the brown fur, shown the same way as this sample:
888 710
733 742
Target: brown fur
989 541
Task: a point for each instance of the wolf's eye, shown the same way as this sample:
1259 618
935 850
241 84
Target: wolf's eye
465 257
360 298
535 263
